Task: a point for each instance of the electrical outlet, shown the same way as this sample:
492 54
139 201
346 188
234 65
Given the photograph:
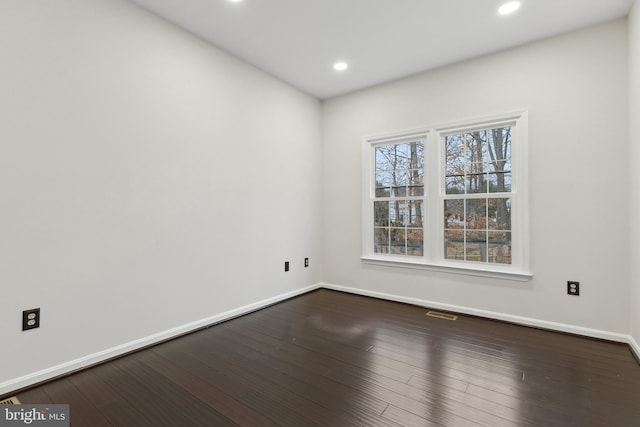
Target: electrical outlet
286 266
30 319
573 288
306 262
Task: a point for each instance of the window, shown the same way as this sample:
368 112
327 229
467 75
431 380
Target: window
449 197
477 205
398 206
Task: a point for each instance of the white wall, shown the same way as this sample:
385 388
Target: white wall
575 89
634 158
147 180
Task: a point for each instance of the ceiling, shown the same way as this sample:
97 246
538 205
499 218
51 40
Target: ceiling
298 41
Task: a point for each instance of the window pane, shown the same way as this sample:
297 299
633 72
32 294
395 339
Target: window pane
401 154
453 214
499 143
397 213
476 237
406 213
499 214
478 162
415 239
454 245
499 251
416 191
499 182
476 183
454 184
499 237
381 240
381 214
383 192
384 158
416 182
415 214
473 252
399 183
476 147
383 179
400 178
476 214
416 155
400 214
398 241
476 246
383 182
499 166
399 191
456 155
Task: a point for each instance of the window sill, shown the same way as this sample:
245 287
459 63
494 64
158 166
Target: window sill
450 267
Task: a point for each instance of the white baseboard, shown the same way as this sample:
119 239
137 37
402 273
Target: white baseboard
92 359
526 321
635 347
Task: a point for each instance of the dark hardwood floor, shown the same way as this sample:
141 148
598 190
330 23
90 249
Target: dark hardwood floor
334 359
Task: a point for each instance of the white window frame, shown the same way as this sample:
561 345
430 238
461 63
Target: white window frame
434 163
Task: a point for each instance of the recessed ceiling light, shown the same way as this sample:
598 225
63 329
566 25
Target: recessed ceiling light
509 8
235 1
340 66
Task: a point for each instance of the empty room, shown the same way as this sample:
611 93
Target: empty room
320 213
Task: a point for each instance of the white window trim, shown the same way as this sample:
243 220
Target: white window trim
433 258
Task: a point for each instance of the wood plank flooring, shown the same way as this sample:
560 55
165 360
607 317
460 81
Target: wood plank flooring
332 359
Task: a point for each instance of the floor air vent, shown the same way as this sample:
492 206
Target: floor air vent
10 401
439 315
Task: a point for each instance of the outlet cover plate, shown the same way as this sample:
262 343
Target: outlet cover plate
30 319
